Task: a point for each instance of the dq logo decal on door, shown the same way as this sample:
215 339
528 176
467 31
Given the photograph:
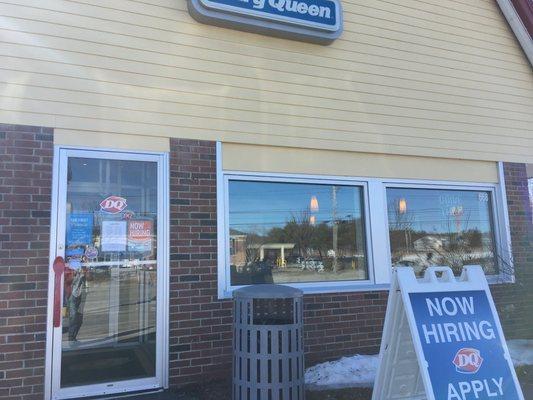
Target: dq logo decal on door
113 204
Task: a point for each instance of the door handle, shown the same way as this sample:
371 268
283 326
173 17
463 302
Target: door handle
59 268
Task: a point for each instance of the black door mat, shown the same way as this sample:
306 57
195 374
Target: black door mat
103 365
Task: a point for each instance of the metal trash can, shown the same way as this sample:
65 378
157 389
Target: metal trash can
268 355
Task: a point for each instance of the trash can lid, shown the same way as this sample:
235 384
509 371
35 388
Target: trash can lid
267 291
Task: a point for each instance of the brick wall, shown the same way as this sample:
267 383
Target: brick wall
336 324
200 325
515 302
25 187
342 324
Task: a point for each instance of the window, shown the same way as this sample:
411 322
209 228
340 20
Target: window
441 227
335 234
281 232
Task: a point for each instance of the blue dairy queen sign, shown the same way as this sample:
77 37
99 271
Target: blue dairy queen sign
462 346
320 14
310 20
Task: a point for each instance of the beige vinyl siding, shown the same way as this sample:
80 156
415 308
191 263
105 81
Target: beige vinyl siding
423 78
111 141
267 159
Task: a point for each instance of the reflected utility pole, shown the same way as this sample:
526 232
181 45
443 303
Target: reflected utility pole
335 227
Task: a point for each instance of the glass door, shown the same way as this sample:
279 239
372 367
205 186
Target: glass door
109 234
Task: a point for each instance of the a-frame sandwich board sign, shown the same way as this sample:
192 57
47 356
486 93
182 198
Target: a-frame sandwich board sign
442 340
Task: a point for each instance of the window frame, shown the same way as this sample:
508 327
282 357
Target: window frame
499 228
224 283
60 157
375 220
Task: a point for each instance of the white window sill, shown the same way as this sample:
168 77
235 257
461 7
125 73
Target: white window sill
355 287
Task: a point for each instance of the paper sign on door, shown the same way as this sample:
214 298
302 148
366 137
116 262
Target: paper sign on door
113 236
140 235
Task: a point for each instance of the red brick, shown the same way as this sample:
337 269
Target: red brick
28 175
514 301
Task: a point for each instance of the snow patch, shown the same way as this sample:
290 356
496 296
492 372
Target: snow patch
360 370
521 351
355 371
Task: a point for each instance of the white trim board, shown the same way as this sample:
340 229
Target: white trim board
516 24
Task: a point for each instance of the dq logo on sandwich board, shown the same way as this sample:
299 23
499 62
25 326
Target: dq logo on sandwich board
447 330
467 361
113 204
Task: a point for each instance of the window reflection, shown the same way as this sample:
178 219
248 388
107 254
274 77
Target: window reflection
441 227
295 232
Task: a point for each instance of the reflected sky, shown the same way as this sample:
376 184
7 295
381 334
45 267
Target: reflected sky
260 206
432 210
91 180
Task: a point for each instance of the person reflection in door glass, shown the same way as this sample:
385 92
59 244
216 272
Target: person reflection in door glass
75 294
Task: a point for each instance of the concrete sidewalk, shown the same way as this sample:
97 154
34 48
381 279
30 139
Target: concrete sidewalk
222 393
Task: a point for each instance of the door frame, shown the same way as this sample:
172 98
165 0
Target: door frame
53 335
